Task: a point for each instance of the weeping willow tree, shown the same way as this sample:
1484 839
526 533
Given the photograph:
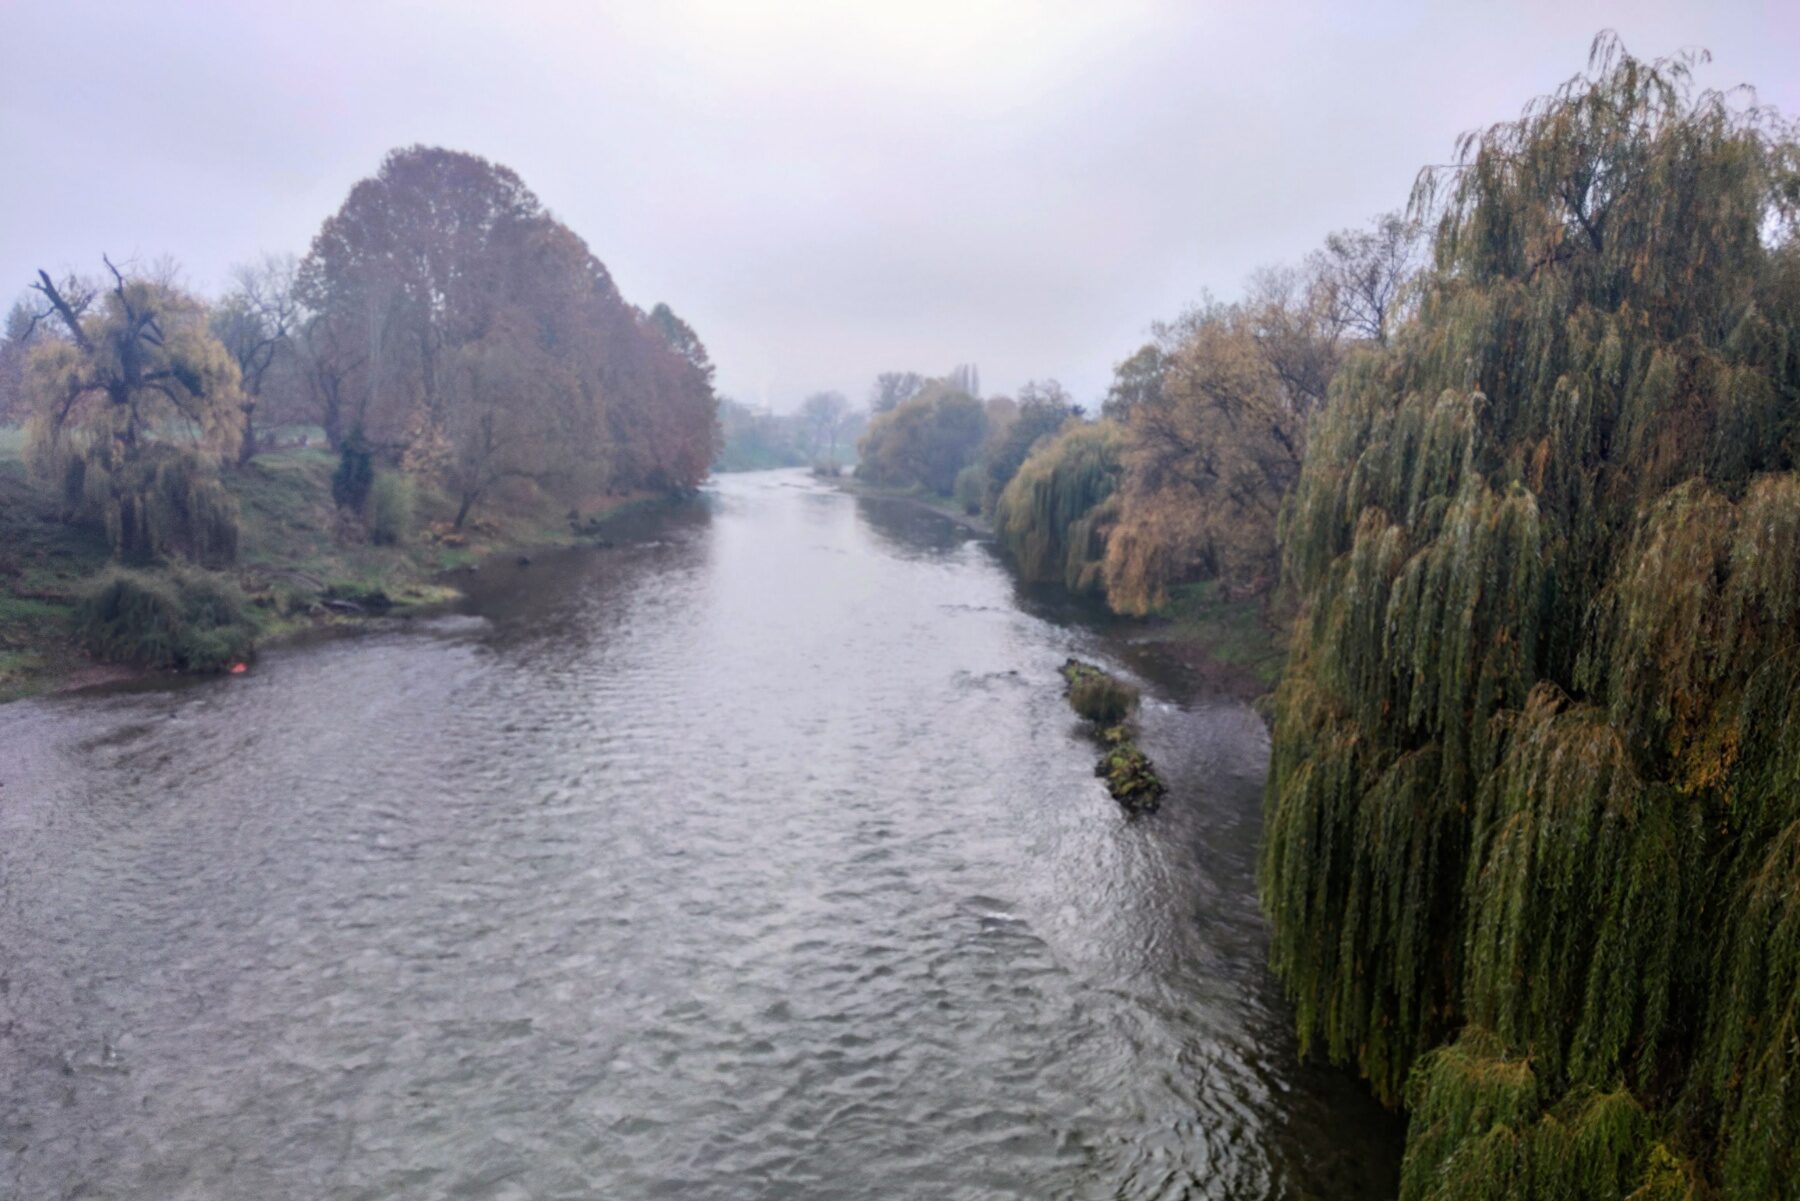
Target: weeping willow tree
1056 513
1533 817
134 404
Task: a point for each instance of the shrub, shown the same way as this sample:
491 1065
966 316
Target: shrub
354 476
390 508
1103 699
970 489
182 618
1097 696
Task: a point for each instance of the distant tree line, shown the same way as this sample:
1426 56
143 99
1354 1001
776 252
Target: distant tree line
938 435
822 433
1198 442
1199 439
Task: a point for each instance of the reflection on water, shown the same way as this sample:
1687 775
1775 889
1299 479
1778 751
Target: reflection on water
757 858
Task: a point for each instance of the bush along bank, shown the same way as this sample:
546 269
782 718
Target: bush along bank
1107 705
185 619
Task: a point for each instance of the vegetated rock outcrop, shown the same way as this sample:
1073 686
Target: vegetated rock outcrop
1107 704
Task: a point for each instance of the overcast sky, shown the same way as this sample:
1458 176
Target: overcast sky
825 190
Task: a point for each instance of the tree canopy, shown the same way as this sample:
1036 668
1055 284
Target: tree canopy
1531 831
458 328
925 441
133 403
1056 513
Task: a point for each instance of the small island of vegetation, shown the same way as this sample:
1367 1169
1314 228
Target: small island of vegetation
1107 704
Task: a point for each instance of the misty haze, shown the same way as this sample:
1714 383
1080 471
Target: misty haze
817 601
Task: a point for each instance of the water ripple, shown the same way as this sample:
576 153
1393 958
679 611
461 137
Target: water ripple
762 862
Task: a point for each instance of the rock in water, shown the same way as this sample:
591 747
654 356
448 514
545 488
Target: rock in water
1107 705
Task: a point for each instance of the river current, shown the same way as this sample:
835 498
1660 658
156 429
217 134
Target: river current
758 856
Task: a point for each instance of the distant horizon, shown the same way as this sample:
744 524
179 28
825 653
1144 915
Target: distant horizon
823 195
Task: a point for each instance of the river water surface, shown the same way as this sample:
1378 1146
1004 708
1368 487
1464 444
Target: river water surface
758 857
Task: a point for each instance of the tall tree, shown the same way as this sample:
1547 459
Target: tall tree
508 416
256 321
1055 516
965 378
1532 840
926 441
824 415
409 270
1210 454
1367 274
893 389
1043 408
460 330
1137 380
666 413
133 405
682 339
1292 313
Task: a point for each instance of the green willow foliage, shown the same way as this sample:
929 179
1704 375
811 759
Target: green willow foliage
1533 829
1482 1127
1054 515
166 501
134 404
181 618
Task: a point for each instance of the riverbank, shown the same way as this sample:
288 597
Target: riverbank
298 567
942 505
1218 643
1230 644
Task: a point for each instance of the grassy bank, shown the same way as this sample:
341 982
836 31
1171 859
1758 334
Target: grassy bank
1234 638
295 570
44 567
921 496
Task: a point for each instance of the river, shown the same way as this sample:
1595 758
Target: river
756 857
